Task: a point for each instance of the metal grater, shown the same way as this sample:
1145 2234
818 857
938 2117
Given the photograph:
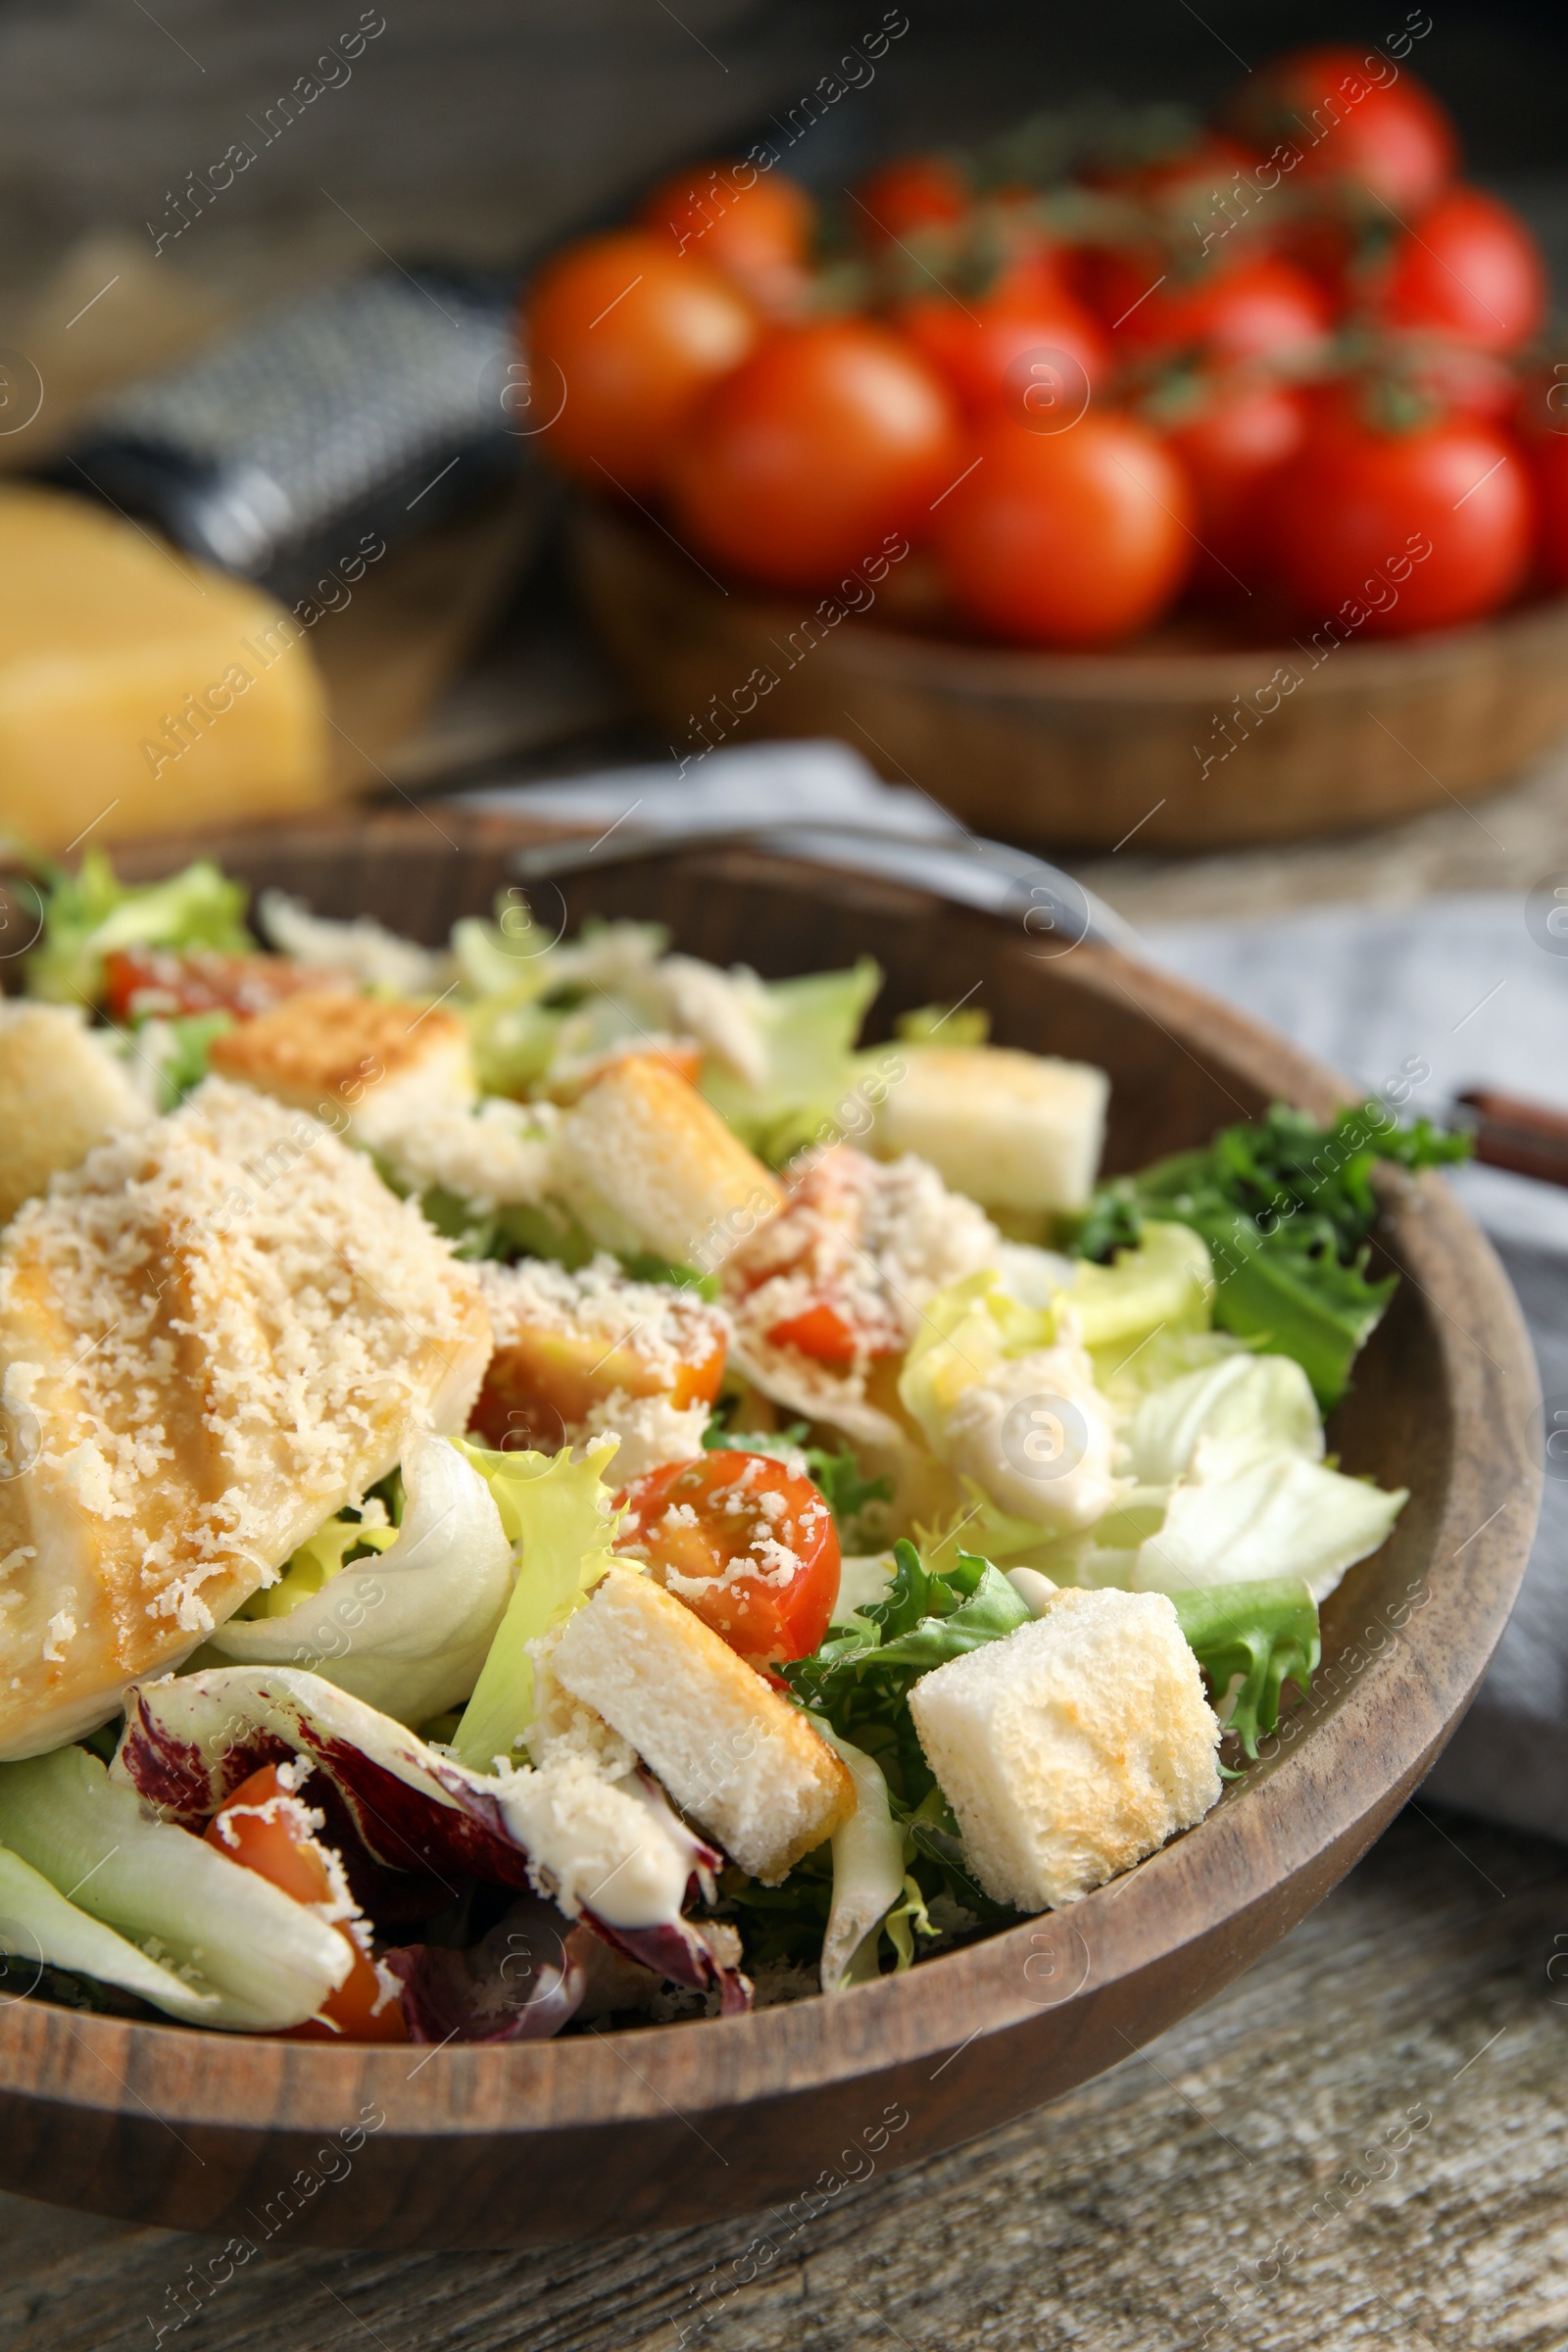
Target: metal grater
370 405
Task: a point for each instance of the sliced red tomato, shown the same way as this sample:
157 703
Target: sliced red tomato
259 1828
1468 270
745 1543
167 981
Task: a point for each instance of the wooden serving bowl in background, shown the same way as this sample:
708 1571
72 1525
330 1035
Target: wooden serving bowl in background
603 2133
1078 751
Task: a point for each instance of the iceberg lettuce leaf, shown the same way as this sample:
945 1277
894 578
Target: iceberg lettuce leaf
408 1632
1277 1516
259 1960
37 1925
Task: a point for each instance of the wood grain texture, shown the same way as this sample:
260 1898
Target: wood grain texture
1121 2219
594 2134
1189 740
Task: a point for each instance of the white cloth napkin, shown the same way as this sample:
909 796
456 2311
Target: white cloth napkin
1474 990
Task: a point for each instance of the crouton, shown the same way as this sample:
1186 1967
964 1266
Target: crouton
61 1091
734 1755
645 1163
1073 1748
1014 1131
377 1057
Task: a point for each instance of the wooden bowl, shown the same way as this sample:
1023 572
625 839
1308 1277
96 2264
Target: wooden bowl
608 2133
1184 741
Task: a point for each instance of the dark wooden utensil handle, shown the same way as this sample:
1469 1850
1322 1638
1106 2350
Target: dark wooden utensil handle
1513 1132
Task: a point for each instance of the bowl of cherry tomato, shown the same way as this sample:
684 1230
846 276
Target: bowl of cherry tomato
1207 478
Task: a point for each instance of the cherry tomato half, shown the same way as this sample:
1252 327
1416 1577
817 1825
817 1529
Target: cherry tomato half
1073 538
1358 501
747 1544
259 1828
167 981
543 1380
1386 135
754 225
623 335
1470 270
827 441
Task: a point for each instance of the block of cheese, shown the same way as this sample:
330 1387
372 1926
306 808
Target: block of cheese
1014 1131
138 690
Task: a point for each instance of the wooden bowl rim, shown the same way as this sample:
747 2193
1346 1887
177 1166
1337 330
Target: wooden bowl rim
1394 1716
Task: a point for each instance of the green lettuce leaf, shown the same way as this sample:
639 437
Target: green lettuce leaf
1264 1631
92 913
859 1676
1287 1208
807 1028
560 1514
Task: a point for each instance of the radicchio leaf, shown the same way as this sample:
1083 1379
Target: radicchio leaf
189 1741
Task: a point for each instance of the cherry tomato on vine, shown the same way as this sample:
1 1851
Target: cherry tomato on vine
747 1545
906 197
1397 530
754 225
1542 421
1469 270
977 345
1380 131
257 1828
1255 307
623 336
1073 538
800 465
1232 444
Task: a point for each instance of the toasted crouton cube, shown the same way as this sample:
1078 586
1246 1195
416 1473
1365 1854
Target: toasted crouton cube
61 1091
645 1163
1014 1131
737 1757
381 1058
1073 1748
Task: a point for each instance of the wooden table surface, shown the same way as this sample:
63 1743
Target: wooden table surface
1362 2142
